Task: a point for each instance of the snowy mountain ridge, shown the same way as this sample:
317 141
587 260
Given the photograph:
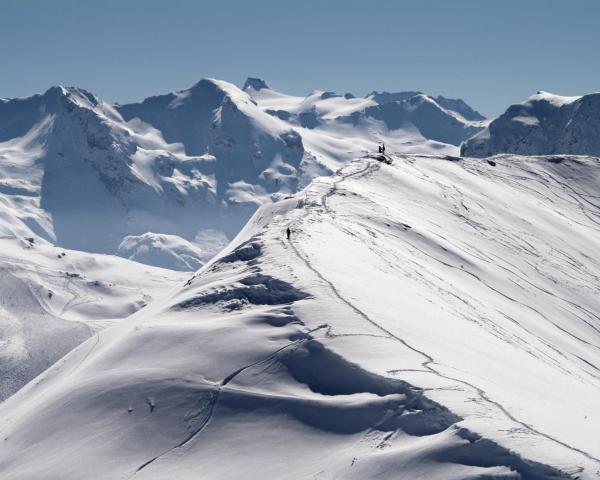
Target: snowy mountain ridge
53 299
166 182
545 124
431 318
394 116
193 164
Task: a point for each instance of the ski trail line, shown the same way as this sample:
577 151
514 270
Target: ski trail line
213 401
429 361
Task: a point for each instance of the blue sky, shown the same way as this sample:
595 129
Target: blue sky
490 53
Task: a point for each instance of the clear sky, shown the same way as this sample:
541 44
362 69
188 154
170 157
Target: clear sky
490 53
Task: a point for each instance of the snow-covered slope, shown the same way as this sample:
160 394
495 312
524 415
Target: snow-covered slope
545 124
256 156
405 121
158 248
87 178
433 318
193 164
53 299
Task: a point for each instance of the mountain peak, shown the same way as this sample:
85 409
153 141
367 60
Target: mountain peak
75 97
389 97
71 93
255 84
545 124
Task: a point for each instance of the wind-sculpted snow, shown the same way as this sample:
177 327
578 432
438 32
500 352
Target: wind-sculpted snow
256 290
432 318
545 124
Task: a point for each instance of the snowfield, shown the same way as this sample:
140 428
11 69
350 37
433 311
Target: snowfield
52 299
433 318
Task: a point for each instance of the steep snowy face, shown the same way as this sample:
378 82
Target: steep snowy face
433 318
545 124
249 147
459 106
89 178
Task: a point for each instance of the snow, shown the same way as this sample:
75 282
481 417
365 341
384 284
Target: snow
166 251
556 100
526 120
545 124
432 318
198 159
388 116
53 299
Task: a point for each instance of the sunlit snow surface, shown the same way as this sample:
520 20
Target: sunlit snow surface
544 124
433 318
52 299
151 180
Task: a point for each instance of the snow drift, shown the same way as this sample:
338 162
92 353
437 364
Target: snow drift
433 318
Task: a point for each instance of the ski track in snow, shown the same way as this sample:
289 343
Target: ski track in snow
218 388
210 397
429 361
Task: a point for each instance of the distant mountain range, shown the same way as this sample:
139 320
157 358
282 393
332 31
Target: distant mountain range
177 175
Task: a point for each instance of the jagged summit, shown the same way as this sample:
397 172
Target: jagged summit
20 115
255 83
458 106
